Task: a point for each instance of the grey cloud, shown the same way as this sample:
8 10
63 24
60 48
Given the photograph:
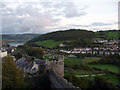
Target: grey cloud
72 11
36 22
47 4
66 9
13 28
5 10
101 24
93 24
78 25
100 29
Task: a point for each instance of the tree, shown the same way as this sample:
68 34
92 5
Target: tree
80 55
100 83
11 76
78 82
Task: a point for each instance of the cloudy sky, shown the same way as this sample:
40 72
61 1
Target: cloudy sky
46 16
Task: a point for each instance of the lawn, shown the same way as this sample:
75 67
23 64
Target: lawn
111 68
109 77
88 60
48 43
83 72
72 60
77 72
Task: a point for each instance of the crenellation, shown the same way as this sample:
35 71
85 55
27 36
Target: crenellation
56 63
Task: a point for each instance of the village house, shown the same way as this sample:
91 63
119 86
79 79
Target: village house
27 66
96 48
100 41
21 62
81 49
62 45
3 53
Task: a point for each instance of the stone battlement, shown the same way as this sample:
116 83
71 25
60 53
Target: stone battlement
57 64
57 58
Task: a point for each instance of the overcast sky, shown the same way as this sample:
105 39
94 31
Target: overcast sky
41 17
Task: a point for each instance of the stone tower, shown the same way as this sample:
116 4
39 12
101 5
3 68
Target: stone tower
56 63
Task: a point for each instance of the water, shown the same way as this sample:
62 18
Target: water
15 44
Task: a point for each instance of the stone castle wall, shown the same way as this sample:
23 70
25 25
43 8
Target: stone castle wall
56 65
55 69
63 82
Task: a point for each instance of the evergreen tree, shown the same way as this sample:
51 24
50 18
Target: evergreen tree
11 75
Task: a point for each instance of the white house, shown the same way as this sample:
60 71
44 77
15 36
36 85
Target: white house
62 45
3 54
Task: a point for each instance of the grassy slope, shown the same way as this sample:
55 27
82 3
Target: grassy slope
111 68
111 35
72 60
77 72
88 60
111 78
48 43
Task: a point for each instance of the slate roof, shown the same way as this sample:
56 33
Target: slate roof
23 64
40 62
21 60
29 65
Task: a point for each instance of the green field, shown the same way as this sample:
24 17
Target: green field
108 34
88 60
83 72
111 78
77 72
48 43
72 60
111 68
112 35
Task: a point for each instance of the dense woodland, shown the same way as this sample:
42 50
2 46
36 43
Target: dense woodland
30 51
66 35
